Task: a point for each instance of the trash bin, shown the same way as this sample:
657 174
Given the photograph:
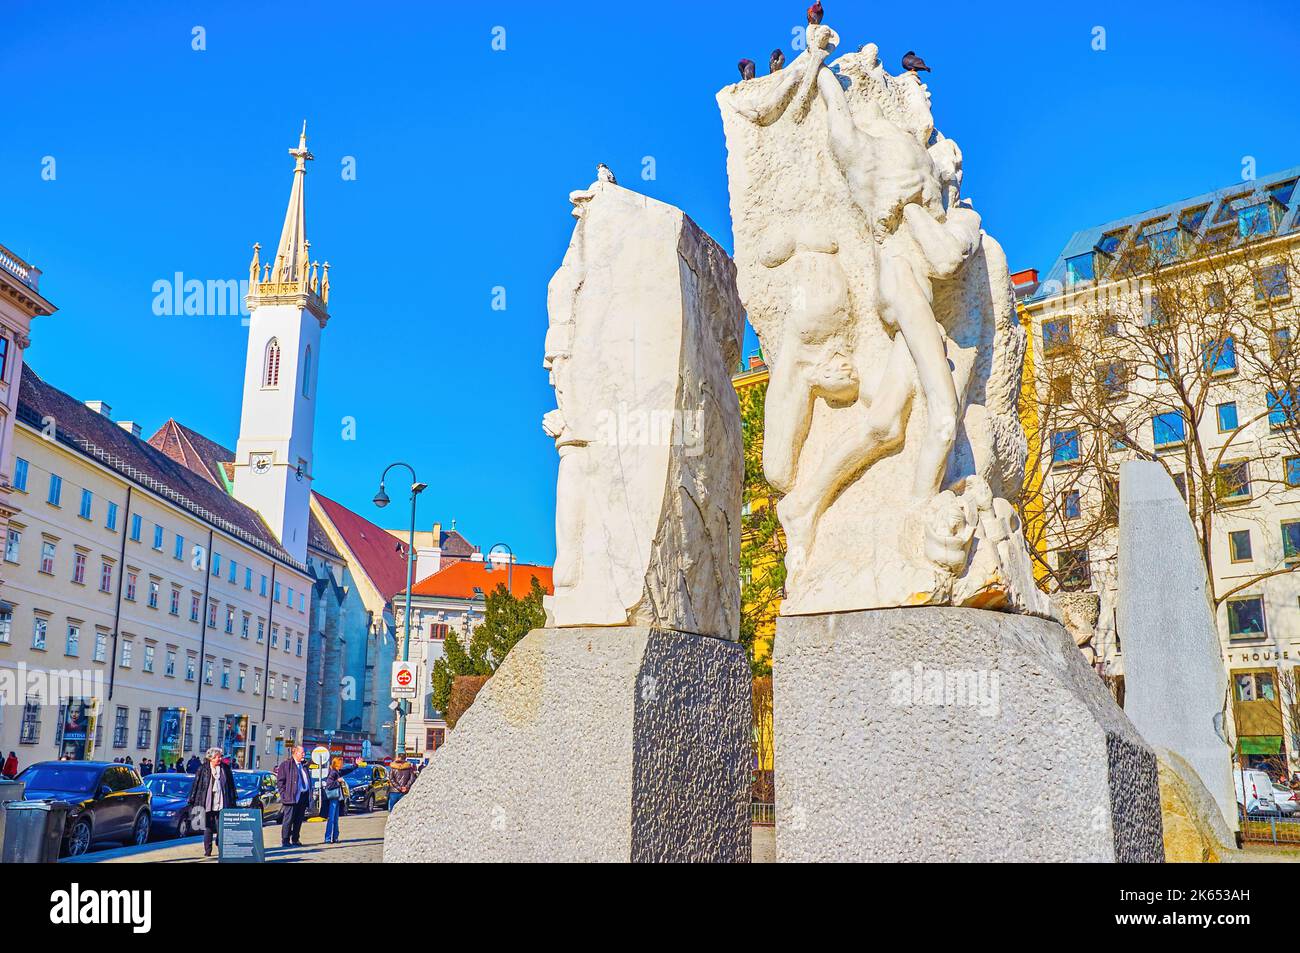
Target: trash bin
9 791
33 831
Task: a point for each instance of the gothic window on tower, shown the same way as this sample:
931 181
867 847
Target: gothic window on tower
271 367
306 372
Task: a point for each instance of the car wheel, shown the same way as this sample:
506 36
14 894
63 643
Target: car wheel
140 834
79 839
369 805
183 827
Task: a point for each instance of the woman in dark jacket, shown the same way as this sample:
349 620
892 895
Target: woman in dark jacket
333 800
213 791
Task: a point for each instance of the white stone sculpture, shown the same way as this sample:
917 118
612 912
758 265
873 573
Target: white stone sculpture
887 319
645 327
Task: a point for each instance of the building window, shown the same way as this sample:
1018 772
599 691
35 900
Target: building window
1291 539
243 626
1065 447
298 651
174 607
132 580
137 525
190 664
275 636
153 594
147 663
1246 618
1239 544
142 731
277 592
1168 430
87 500
6 626
101 646
257 687
230 620
231 577
110 521
261 631
47 558
1219 357
30 731
12 545
297 688
1232 480
243 678
1279 343
271 364
1281 409
1272 283
216 564
248 579
79 568
1073 569
284 689
105 576
119 728
225 675
1254 686
20 474
1071 506
306 372
194 607
207 672
56 490
1226 414
127 653
189 733
212 615
157 537
302 602
72 643
169 664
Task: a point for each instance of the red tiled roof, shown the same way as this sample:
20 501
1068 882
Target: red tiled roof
460 579
192 450
376 550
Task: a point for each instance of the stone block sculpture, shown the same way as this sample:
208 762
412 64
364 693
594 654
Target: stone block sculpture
893 438
886 316
622 730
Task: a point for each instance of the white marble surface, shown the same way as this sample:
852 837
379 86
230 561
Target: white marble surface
645 327
886 316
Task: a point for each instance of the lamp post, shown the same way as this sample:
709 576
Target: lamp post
382 500
510 566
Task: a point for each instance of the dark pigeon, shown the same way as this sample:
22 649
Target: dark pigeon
914 64
777 61
746 68
815 13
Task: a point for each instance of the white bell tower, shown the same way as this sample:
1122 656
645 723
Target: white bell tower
287 302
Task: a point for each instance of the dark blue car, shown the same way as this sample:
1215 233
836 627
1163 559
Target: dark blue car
106 801
171 793
367 787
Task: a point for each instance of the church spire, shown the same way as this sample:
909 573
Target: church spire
291 272
291 261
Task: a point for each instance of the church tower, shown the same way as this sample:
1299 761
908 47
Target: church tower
287 300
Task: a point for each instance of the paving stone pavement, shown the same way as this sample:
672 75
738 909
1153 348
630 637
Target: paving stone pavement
361 841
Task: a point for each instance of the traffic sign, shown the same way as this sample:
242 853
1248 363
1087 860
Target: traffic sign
320 756
405 681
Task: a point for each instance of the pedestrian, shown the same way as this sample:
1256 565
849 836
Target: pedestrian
294 785
333 795
213 789
146 767
401 775
10 769
192 765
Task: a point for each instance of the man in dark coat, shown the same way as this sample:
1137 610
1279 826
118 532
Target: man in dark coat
213 791
294 784
192 765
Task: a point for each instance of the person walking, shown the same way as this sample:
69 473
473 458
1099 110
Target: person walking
294 784
192 765
10 769
401 775
333 795
212 791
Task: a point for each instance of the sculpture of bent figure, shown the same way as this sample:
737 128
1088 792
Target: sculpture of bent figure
855 273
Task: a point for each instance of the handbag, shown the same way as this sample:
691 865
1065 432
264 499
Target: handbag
333 794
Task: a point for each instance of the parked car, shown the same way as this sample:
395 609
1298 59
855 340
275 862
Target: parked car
1288 801
257 789
107 801
1255 792
367 787
170 804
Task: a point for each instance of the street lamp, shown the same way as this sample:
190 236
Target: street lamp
382 500
510 565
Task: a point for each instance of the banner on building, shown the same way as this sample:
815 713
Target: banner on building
234 738
171 728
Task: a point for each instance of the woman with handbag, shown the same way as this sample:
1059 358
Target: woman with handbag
333 800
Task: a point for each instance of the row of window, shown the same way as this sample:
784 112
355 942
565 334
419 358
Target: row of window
30 730
196 554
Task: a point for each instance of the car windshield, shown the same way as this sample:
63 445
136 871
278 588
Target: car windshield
57 776
171 786
358 774
246 781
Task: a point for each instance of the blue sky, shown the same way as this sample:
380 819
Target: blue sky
169 159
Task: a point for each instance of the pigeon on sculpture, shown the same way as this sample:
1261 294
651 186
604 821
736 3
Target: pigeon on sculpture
913 63
746 68
604 175
815 13
777 61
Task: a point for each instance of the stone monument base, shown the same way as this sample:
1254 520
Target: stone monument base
1194 830
952 734
592 744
